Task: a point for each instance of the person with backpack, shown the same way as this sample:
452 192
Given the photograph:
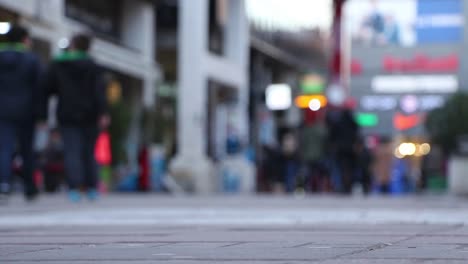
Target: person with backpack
82 111
20 73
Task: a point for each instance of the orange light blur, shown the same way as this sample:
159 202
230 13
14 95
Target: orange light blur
303 101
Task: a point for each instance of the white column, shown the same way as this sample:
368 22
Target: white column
132 24
237 48
148 46
191 168
237 34
193 36
196 66
148 22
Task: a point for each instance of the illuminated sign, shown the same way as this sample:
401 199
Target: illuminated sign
421 63
415 84
4 28
412 103
408 103
404 23
278 97
378 103
312 84
367 119
311 102
431 102
356 67
405 122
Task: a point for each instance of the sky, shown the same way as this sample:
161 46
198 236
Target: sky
291 14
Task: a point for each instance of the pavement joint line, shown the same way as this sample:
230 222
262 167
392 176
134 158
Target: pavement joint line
31 251
380 246
233 244
164 244
303 245
370 248
430 232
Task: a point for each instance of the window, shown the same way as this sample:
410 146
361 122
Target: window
101 16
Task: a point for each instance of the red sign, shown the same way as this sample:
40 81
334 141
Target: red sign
356 67
421 63
404 122
418 64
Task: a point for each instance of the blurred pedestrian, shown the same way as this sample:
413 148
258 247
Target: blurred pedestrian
364 161
343 135
20 72
52 161
267 171
289 163
313 140
82 110
382 166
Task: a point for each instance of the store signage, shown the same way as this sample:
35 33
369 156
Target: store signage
367 119
278 97
415 84
409 23
418 64
311 101
312 84
421 64
407 103
404 122
378 103
431 102
356 67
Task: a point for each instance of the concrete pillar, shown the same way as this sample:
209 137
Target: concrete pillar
191 168
237 51
196 66
193 36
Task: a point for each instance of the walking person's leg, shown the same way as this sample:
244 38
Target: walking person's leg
26 134
73 142
7 146
89 160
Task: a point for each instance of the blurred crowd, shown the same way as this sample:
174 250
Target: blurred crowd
329 154
25 88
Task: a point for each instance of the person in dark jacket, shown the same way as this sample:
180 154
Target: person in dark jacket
20 72
82 110
343 135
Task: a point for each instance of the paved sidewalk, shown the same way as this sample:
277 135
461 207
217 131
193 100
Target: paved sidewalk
195 230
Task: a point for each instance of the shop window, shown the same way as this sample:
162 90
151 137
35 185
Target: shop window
221 102
218 14
101 16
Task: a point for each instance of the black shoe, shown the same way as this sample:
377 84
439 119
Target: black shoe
31 196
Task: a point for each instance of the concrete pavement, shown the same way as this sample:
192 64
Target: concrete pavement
263 229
